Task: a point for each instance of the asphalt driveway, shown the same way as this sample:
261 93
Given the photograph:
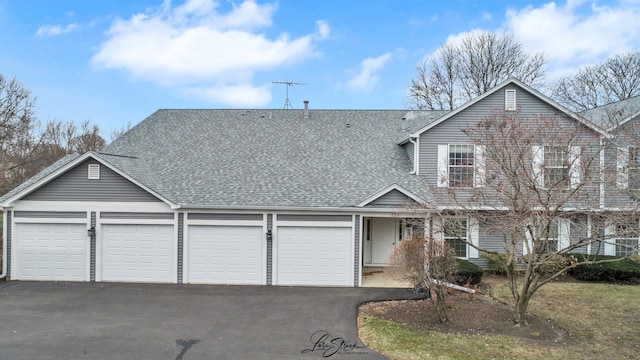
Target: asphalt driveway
53 320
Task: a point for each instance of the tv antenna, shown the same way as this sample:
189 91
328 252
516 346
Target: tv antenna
287 103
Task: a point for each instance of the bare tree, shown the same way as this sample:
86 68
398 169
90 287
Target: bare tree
117 133
617 78
540 196
459 72
427 264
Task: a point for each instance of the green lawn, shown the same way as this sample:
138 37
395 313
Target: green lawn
602 320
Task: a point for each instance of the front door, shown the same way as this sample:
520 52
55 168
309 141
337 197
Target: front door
383 239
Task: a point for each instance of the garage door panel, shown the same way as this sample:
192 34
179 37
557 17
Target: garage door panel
55 252
138 253
314 256
225 254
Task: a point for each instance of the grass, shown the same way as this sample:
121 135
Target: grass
602 321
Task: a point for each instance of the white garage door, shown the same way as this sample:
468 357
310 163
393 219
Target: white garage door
51 252
314 256
138 253
225 254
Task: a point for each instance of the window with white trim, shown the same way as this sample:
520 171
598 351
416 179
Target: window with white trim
548 238
627 235
461 165
93 172
634 168
557 166
455 234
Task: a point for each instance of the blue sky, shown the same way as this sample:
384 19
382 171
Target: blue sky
117 61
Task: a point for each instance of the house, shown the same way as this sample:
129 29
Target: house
267 197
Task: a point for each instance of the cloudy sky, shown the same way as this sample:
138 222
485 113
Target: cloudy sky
117 61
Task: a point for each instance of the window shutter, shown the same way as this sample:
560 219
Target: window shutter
609 235
94 172
538 163
622 166
436 228
528 242
474 237
481 167
510 100
443 166
574 166
564 233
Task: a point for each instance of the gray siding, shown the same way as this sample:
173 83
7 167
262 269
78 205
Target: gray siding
231 216
180 260
132 215
51 214
74 186
296 217
7 223
393 198
356 252
269 251
92 251
450 132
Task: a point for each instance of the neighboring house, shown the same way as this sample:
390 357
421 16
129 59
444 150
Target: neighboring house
271 197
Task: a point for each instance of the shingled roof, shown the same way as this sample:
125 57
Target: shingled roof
270 158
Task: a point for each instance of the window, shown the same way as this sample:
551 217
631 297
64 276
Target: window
455 235
556 166
94 172
547 238
627 242
461 165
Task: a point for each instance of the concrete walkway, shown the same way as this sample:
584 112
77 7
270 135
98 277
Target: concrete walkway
376 277
53 320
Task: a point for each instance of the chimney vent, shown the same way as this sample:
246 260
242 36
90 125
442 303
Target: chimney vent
306 109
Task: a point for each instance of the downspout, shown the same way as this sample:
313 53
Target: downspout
4 244
602 178
416 154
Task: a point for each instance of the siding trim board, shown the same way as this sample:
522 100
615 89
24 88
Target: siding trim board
92 250
51 214
224 216
131 215
9 226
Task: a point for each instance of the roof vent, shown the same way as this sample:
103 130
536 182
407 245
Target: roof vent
306 109
403 124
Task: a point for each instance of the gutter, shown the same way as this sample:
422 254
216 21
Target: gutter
4 245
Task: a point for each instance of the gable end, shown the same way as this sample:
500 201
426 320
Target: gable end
77 184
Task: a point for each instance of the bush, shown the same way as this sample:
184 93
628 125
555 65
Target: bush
625 270
467 273
496 263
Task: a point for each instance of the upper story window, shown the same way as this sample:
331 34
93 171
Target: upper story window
460 165
628 168
557 167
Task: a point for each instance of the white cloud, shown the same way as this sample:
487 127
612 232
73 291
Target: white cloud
367 79
579 33
194 46
486 16
243 95
54 30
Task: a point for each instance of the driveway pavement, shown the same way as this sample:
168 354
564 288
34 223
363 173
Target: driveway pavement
53 320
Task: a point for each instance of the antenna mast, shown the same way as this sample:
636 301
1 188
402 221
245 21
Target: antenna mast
287 103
